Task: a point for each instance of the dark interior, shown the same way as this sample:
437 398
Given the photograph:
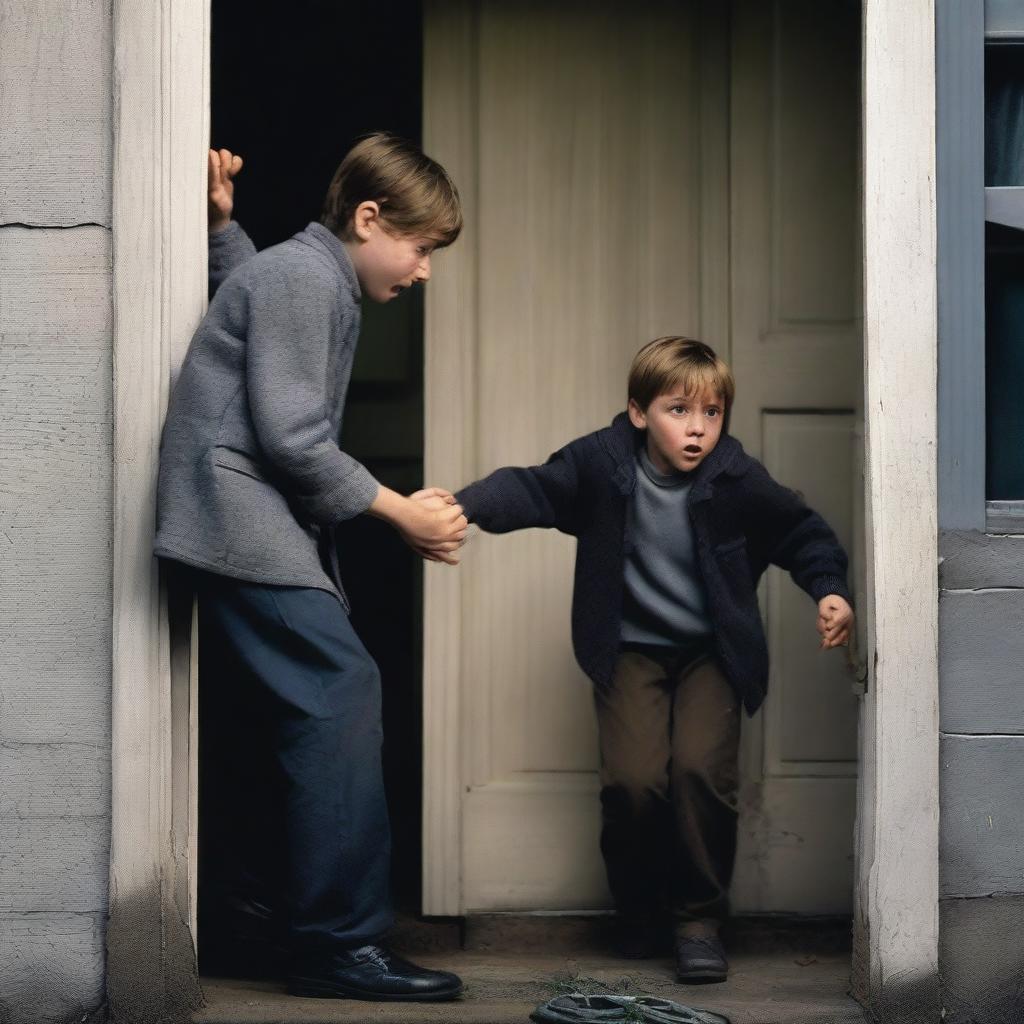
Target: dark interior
293 87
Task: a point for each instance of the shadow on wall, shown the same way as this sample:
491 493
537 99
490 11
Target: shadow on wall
981 959
139 966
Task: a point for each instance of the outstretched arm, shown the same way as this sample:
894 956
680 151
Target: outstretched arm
230 246
518 497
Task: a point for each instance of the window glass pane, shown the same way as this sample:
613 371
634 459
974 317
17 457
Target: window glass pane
1004 115
1004 276
1004 361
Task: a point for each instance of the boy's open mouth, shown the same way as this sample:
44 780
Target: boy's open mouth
693 449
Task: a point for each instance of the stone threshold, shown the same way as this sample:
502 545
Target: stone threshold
784 971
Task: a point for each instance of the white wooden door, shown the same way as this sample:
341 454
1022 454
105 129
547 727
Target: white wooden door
591 144
797 352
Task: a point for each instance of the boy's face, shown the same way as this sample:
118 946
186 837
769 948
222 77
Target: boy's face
682 430
385 263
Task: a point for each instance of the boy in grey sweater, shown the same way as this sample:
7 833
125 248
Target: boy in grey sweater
252 482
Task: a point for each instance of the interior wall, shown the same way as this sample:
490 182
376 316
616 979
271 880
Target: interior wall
55 505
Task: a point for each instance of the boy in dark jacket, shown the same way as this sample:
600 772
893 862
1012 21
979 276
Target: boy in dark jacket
675 525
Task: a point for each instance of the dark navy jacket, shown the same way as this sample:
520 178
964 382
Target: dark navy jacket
742 521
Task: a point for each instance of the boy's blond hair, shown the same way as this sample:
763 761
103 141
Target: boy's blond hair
415 194
676 363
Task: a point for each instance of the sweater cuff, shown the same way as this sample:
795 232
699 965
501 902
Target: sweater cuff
230 232
351 497
825 585
466 502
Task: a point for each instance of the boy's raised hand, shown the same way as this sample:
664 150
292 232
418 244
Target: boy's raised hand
835 620
224 165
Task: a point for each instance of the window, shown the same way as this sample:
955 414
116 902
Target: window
1004 282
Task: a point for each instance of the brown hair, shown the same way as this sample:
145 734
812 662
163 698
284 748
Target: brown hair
415 194
675 362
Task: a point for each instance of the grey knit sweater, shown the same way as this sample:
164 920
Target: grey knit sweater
252 480
664 599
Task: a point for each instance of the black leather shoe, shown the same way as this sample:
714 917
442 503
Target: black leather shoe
700 959
370 972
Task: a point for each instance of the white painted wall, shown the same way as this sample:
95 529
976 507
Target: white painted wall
55 505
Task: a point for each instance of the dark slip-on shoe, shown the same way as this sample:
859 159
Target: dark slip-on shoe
700 959
371 972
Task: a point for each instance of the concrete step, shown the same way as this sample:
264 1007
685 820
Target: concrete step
785 970
772 988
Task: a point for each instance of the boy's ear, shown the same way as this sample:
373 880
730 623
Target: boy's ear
636 415
365 220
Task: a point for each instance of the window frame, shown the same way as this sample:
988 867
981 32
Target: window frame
963 33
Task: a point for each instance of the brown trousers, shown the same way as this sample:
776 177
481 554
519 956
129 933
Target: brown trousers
669 737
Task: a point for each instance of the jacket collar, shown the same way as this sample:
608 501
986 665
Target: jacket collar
621 441
319 237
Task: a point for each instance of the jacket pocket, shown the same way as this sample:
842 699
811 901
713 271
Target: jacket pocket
231 458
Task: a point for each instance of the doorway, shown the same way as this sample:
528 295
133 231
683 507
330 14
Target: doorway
659 170
291 91
160 135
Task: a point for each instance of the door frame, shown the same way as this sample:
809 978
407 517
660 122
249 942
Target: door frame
896 901
161 128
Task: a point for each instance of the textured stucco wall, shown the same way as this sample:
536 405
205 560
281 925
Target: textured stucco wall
55 506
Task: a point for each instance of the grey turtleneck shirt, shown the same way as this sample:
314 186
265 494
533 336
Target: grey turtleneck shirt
664 600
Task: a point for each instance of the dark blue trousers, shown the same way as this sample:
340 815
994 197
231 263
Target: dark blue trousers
291 718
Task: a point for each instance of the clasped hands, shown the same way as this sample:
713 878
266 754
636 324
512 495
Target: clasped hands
439 529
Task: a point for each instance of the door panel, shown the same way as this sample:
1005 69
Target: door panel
796 351
619 194
810 717
589 245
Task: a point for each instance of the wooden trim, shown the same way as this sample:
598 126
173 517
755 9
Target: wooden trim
1004 517
1003 19
960 184
898 833
712 40
1005 205
450 98
161 101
